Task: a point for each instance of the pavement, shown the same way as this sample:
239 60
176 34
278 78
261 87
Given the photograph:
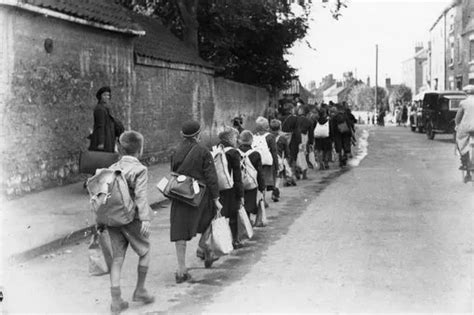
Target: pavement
40 222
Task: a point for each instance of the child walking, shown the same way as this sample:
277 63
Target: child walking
283 151
136 233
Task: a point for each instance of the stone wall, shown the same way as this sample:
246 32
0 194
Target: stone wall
165 97
47 98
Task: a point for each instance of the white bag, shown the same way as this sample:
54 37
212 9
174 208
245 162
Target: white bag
312 159
225 180
260 145
261 219
301 161
221 236
321 131
244 227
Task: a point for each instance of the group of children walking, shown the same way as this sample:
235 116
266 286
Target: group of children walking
256 165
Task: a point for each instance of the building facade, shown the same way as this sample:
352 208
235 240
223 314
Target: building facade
412 70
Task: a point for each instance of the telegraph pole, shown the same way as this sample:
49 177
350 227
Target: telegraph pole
376 73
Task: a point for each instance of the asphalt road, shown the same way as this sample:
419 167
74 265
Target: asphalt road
393 234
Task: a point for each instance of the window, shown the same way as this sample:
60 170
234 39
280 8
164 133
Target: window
459 54
471 50
459 83
451 50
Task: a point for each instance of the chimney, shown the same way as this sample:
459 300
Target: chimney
368 81
388 82
418 47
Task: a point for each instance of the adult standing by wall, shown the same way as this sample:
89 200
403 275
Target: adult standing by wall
106 128
192 159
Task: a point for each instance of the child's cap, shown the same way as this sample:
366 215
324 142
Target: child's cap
246 137
131 142
275 124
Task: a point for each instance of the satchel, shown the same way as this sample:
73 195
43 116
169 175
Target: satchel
244 227
182 187
312 159
301 161
100 253
321 131
90 161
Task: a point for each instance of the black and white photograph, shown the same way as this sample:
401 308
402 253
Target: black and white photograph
237 156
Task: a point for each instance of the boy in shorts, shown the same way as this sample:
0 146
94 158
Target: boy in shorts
136 233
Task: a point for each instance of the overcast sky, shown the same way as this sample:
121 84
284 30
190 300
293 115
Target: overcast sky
348 44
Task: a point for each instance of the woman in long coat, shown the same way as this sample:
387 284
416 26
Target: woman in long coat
195 160
290 128
342 139
106 128
323 145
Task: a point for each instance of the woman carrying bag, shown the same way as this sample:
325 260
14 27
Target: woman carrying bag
194 160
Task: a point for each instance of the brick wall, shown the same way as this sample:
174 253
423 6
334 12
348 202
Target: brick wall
47 98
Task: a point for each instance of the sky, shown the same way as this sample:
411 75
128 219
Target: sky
348 44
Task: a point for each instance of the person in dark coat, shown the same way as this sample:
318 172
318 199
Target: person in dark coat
290 129
106 128
283 151
250 196
341 138
323 146
231 199
192 159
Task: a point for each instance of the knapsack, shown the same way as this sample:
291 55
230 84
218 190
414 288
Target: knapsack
249 173
260 145
225 179
110 198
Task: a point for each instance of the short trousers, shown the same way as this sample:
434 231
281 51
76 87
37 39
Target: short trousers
122 236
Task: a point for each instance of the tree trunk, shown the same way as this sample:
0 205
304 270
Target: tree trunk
188 10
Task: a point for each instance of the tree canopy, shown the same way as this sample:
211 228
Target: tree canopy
401 94
363 97
245 39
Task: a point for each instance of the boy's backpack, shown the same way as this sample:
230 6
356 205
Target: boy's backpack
225 180
249 173
260 145
110 198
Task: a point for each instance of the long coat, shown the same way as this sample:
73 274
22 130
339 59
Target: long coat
104 130
289 123
186 221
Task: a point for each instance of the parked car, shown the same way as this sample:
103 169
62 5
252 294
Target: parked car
438 111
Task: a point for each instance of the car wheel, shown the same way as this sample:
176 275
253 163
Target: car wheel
429 131
413 128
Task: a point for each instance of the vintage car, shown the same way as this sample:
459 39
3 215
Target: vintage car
438 111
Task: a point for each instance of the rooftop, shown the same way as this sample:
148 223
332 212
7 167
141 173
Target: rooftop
105 14
160 43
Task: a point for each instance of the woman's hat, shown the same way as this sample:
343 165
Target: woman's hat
246 137
190 129
101 91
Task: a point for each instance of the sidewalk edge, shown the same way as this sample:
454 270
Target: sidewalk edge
73 237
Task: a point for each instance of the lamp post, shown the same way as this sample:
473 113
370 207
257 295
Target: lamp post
376 73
